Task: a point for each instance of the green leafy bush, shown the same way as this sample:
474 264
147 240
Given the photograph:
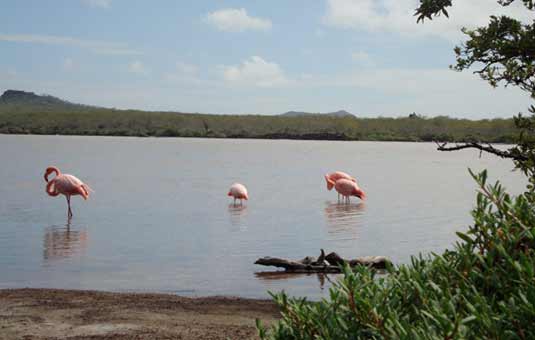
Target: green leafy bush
483 288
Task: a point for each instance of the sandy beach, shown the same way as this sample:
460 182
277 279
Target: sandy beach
75 314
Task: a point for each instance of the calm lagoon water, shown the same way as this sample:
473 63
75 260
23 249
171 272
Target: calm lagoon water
160 221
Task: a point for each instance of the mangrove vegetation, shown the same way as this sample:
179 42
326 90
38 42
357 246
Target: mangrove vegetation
28 113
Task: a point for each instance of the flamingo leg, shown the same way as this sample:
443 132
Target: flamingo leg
69 211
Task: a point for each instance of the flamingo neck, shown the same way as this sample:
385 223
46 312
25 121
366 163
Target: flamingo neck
50 170
51 188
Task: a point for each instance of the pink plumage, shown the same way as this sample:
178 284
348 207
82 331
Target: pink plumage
335 176
65 184
348 188
238 191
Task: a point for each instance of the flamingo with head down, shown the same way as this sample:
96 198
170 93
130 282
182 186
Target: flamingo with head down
65 184
348 188
238 191
335 176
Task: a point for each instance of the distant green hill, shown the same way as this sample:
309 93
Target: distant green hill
13 99
27 113
341 113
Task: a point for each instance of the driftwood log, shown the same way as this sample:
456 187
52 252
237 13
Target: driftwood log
323 264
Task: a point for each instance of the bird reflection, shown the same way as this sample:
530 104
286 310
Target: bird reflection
286 276
237 214
61 242
343 219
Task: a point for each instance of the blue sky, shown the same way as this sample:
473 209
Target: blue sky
259 57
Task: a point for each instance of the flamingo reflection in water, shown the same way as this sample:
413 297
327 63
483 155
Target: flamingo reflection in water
62 242
344 219
237 214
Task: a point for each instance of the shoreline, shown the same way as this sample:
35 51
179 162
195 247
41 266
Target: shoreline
251 138
287 138
42 313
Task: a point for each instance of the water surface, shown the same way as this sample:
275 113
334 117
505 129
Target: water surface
160 220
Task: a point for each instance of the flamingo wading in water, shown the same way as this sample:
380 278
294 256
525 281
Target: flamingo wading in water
65 184
238 191
335 176
348 188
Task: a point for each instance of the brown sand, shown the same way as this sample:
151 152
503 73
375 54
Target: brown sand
73 314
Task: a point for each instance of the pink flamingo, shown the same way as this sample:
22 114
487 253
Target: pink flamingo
335 176
238 191
65 184
348 188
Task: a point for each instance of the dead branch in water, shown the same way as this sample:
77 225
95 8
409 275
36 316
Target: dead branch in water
330 263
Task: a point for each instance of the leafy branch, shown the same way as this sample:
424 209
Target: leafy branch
487 148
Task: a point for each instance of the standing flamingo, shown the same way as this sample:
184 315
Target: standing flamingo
348 188
238 191
65 184
335 176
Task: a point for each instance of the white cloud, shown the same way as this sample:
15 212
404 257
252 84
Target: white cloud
426 91
236 20
68 64
185 68
99 47
184 73
319 33
98 3
362 58
255 71
394 92
137 67
8 74
397 16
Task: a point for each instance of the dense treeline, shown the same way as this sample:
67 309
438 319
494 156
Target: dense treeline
86 120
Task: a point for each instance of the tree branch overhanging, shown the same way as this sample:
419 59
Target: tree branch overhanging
486 148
